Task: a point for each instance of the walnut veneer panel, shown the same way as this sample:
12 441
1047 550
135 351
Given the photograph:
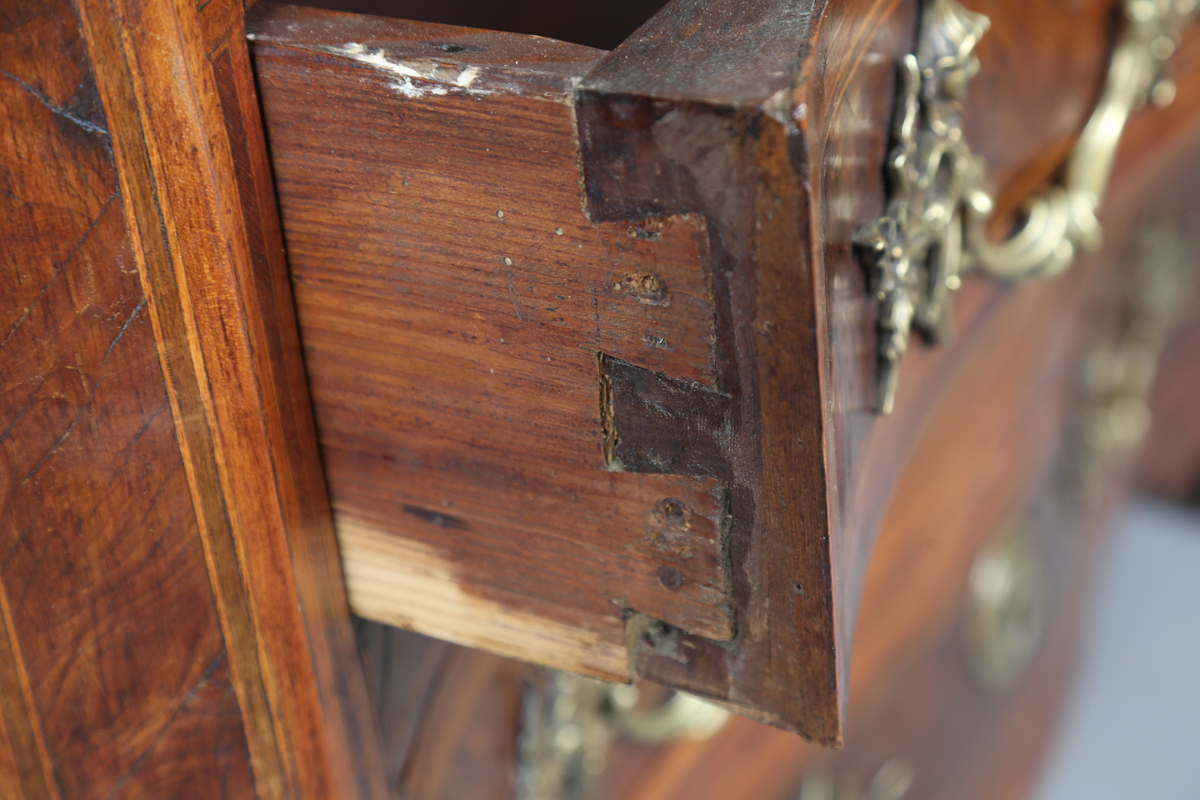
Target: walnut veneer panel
173 614
114 677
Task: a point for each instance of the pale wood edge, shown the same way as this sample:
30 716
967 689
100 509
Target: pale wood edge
406 584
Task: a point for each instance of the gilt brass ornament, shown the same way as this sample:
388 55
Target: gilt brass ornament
934 229
1004 610
569 723
914 252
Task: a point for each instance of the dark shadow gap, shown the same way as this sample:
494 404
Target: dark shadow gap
595 23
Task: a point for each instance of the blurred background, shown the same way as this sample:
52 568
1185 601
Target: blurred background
1131 724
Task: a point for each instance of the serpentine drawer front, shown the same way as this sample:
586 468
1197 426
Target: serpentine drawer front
597 342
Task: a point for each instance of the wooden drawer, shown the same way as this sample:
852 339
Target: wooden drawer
633 430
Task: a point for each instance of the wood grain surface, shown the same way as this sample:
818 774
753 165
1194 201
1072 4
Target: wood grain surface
175 620
114 673
910 696
549 417
188 147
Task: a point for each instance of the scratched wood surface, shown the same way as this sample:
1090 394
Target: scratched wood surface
174 619
172 629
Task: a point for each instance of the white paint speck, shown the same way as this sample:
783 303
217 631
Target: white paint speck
467 77
415 78
406 87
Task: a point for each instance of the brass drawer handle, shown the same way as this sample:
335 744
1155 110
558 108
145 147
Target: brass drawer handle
934 228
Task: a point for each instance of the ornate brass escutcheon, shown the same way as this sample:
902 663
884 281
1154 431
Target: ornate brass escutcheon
935 225
1004 610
